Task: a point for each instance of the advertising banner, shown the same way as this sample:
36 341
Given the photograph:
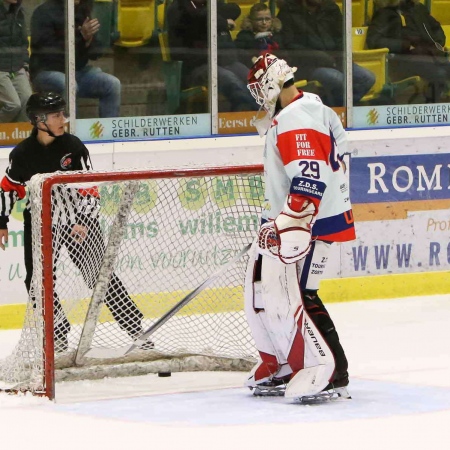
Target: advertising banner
401 203
146 127
244 122
401 206
401 115
418 243
12 133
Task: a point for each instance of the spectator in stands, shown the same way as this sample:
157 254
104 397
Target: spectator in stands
416 43
47 63
188 39
15 88
318 25
260 33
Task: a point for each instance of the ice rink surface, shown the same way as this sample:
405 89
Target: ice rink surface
399 354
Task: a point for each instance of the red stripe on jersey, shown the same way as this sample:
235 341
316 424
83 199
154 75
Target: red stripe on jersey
8 186
341 236
90 191
304 144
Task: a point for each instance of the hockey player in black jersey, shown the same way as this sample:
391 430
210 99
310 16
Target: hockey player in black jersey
49 149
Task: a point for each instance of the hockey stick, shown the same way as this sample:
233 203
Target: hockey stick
106 353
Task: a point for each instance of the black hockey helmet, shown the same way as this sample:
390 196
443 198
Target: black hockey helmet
42 103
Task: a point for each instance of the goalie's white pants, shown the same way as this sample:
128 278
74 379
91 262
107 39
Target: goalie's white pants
285 336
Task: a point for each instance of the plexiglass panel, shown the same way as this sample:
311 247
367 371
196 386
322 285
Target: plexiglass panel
142 66
404 45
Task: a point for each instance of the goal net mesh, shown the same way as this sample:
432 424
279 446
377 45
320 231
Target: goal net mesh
139 246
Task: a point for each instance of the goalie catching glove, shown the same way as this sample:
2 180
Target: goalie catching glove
288 237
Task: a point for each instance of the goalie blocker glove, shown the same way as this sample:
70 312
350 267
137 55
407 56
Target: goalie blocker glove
288 237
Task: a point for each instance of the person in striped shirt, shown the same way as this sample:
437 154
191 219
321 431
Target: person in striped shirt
49 149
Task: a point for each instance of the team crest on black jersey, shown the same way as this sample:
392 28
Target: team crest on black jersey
66 161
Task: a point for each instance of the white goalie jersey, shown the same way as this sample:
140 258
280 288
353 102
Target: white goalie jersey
303 155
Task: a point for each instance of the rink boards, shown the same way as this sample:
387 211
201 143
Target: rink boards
400 191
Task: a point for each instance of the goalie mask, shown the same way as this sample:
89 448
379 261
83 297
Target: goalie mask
265 82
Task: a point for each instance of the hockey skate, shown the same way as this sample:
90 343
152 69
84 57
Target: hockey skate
335 390
339 385
325 396
271 388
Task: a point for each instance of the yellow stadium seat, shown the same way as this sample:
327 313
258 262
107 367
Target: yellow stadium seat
309 86
160 14
376 60
245 10
446 29
136 21
358 11
359 35
440 10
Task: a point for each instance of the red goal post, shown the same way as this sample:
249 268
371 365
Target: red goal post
147 238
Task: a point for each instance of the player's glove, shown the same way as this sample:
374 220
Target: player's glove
288 237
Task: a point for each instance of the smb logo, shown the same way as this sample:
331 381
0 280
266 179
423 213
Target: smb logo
372 117
96 130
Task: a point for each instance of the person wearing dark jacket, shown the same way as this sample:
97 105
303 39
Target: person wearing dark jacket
415 41
316 25
260 33
50 149
188 41
47 65
15 88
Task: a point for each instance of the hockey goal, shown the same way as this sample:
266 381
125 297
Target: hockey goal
146 238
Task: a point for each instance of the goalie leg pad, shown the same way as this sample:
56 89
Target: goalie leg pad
257 320
255 305
310 272
278 283
263 371
283 328
309 381
318 361
322 320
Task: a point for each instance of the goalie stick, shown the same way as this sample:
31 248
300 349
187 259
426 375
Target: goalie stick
107 353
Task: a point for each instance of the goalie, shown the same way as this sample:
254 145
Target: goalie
49 149
307 209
